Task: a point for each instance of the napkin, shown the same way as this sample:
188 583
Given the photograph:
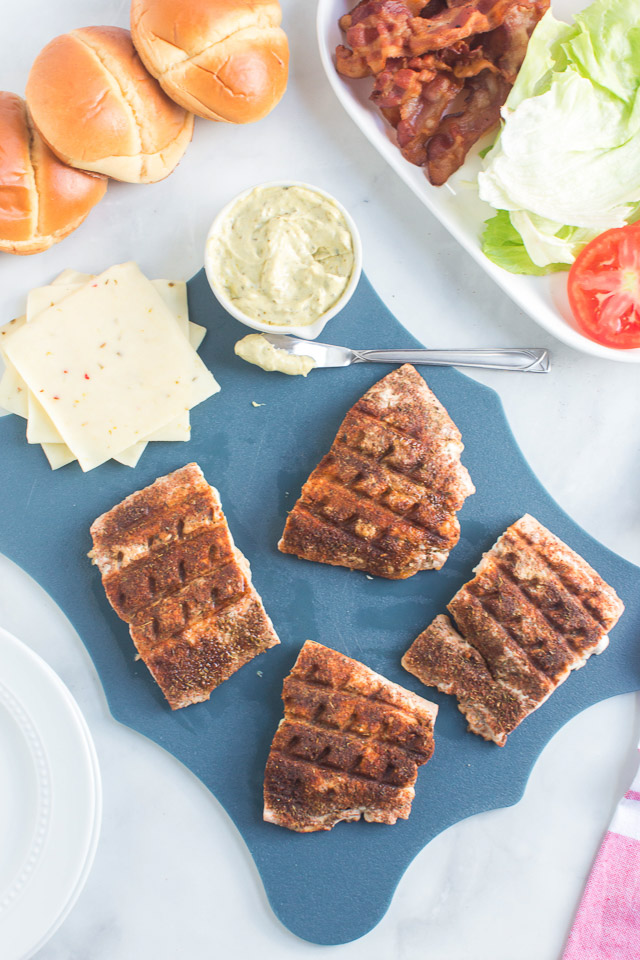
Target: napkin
607 925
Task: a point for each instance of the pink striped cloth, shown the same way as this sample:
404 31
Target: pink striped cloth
607 925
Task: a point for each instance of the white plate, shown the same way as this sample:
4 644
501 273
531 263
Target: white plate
50 800
457 204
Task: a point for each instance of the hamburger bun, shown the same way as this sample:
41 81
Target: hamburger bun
221 59
99 110
41 199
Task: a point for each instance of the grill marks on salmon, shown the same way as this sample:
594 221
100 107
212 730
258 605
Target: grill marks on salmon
349 746
384 499
170 569
534 611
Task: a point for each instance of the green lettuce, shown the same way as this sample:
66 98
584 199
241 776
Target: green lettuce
566 165
503 244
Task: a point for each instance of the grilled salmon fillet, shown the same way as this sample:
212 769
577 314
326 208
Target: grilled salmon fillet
534 611
349 746
384 499
170 569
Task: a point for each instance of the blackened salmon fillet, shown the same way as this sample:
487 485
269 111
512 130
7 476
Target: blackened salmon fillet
534 612
349 746
385 497
170 569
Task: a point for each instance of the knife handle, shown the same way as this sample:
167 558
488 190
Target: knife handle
519 359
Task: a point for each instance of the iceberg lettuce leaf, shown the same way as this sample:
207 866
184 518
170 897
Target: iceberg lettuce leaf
568 154
504 246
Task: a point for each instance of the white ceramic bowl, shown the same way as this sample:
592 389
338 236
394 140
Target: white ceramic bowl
309 330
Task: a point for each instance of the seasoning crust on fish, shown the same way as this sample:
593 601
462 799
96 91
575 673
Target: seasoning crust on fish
384 499
534 612
349 746
170 569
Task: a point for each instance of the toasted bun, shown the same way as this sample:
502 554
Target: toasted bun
41 199
222 59
99 110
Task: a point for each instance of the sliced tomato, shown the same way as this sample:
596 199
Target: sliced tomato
604 288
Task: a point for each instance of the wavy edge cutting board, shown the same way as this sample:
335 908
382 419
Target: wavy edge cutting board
333 887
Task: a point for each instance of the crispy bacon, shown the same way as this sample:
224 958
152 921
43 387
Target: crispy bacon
403 80
507 44
420 120
351 64
425 54
467 61
433 7
458 132
456 23
379 30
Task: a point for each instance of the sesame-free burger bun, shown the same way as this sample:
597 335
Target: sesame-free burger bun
41 199
221 59
99 110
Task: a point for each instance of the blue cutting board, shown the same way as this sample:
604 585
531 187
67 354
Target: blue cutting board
331 887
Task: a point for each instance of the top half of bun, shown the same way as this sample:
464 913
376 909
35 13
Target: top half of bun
99 110
41 199
221 59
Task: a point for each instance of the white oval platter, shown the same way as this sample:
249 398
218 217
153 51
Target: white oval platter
457 204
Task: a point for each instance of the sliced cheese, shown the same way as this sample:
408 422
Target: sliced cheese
58 455
174 294
40 428
131 455
197 333
128 457
13 389
109 364
14 394
72 276
40 298
8 328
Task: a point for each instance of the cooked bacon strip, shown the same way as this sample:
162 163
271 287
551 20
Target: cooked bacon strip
458 132
507 44
467 61
379 31
432 8
420 120
350 64
534 612
403 80
421 53
418 91
457 23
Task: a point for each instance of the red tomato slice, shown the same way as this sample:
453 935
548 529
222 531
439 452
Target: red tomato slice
604 288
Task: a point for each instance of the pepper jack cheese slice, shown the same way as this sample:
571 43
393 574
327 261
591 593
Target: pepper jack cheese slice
109 365
58 455
15 396
13 391
40 428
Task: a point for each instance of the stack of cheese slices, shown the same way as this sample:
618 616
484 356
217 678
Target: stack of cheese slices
100 366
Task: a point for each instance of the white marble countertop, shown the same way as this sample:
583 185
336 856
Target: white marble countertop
172 877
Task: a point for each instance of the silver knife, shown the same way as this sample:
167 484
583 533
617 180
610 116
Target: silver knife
520 359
